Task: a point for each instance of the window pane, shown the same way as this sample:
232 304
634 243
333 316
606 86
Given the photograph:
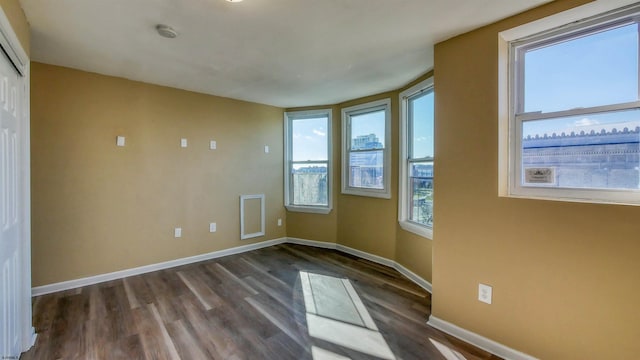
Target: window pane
366 169
599 151
309 139
310 184
593 70
367 130
421 125
421 193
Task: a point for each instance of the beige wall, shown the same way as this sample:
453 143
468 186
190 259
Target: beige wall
320 227
99 208
565 275
18 21
365 223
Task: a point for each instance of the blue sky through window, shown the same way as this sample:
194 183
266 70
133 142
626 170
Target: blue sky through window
599 69
421 110
309 139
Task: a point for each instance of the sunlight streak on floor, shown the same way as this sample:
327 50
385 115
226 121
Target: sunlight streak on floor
335 313
446 351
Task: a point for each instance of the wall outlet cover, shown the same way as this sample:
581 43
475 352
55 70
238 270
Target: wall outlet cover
177 232
212 227
183 142
485 293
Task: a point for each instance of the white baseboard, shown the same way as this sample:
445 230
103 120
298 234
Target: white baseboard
478 340
414 277
318 244
365 255
76 283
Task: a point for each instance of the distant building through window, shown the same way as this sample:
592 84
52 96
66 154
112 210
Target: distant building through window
574 125
365 157
417 117
308 161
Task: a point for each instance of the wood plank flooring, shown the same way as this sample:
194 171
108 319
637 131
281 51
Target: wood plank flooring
246 306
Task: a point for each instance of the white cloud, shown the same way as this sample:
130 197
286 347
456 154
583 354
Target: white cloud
586 122
319 132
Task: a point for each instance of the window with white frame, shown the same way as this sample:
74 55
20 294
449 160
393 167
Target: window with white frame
365 149
415 203
308 184
574 120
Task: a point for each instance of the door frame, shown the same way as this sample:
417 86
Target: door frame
18 57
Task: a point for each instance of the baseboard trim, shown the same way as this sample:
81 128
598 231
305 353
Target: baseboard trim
318 244
90 280
478 340
414 277
365 255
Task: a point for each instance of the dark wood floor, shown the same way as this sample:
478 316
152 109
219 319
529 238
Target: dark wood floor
247 306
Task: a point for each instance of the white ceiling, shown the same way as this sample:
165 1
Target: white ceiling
286 53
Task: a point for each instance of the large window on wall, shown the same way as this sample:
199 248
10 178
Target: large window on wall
308 184
574 121
415 204
365 149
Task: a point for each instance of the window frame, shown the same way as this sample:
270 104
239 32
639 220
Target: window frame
404 176
347 113
289 117
512 45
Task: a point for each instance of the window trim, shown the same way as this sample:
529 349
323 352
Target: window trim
383 104
289 117
510 42
403 182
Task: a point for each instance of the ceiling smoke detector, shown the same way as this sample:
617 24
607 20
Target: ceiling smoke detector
166 31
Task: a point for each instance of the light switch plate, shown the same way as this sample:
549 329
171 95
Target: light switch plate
212 227
212 145
120 141
485 293
183 142
266 149
279 222
177 232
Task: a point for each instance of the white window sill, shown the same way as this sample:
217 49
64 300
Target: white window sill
382 194
417 229
308 209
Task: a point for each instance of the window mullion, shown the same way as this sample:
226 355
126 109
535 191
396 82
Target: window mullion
538 115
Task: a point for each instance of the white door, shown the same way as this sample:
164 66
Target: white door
11 297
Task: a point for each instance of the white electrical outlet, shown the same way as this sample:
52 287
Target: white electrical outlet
266 149
120 141
183 142
279 222
212 145
212 227
177 232
485 293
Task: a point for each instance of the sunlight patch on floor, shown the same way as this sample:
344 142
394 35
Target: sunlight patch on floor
447 352
335 313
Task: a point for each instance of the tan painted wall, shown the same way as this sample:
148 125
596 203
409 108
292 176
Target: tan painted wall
320 227
565 275
99 208
18 21
412 251
365 223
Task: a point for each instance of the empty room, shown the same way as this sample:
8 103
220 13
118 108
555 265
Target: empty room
337 179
